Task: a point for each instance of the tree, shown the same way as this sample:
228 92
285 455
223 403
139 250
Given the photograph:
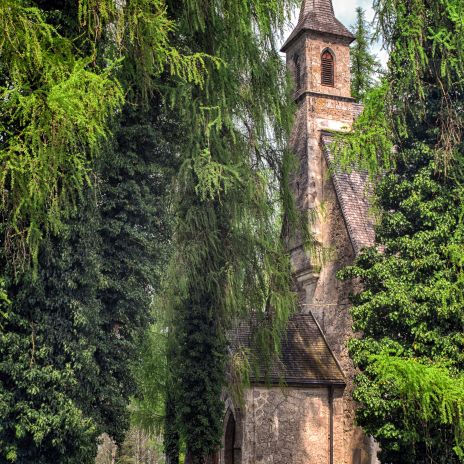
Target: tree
410 313
49 377
93 221
228 255
135 228
364 65
55 109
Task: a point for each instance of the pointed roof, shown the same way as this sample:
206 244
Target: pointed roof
319 16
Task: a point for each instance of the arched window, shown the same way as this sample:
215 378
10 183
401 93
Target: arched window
297 64
327 69
229 441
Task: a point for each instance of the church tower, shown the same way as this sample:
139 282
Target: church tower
318 58
304 412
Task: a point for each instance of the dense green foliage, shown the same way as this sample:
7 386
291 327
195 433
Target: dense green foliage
70 326
85 196
72 332
426 44
411 316
136 173
229 258
410 310
49 377
60 84
55 109
369 145
364 65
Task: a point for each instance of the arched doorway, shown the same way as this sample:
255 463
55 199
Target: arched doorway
229 441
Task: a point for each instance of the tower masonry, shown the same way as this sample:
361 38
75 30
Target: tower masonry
304 413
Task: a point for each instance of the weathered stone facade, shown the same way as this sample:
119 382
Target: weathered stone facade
312 421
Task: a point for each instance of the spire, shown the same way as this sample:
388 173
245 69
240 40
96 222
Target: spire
318 16
315 5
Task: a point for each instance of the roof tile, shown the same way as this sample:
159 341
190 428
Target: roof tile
318 15
353 195
306 357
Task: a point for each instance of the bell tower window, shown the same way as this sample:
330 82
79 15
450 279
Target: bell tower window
297 64
327 69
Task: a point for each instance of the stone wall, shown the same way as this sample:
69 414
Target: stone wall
290 425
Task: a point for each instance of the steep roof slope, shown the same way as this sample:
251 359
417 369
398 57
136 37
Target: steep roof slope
353 196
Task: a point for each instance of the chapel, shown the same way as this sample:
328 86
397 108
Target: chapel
309 418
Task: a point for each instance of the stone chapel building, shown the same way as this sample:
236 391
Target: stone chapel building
310 418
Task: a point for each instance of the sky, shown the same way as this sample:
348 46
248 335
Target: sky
345 11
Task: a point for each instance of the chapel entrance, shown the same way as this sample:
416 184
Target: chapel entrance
229 441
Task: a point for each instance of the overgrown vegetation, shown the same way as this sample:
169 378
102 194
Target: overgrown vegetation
411 316
94 95
409 313
229 258
96 209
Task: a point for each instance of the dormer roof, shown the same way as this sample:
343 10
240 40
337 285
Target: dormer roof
318 16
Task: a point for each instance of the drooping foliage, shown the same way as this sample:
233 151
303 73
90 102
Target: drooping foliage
60 86
88 306
364 65
229 97
55 107
369 145
426 43
70 325
229 258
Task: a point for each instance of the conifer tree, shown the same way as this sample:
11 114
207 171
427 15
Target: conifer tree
410 312
364 64
229 259
49 332
70 323
410 315
134 228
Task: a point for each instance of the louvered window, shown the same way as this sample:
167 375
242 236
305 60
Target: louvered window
296 61
327 69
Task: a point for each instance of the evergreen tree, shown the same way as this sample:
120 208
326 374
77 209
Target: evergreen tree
89 305
49 377
229 259
364 65
136 175
70 327
410 310
411 316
